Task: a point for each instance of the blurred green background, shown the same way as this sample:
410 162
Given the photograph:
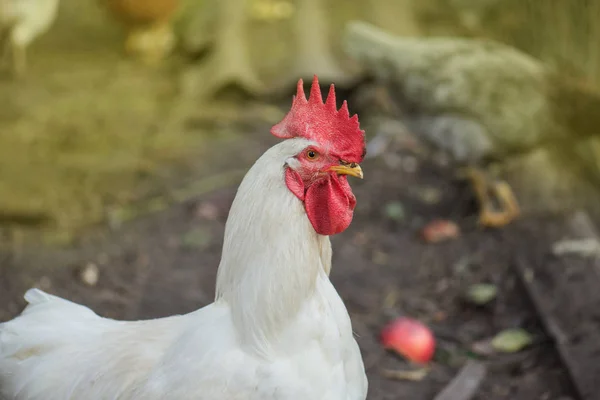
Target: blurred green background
91 134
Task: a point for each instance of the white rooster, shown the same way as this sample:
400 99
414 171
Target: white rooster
21 21
277 329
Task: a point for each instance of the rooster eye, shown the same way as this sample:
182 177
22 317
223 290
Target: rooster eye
311 154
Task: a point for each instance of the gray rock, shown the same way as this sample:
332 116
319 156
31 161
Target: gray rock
474 98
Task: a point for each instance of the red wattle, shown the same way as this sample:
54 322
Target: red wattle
329 204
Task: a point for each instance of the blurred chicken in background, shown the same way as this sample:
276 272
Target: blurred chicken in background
21 21
148 24
475 99
234 61
493 108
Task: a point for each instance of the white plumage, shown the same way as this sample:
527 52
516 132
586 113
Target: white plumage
277 329
21 21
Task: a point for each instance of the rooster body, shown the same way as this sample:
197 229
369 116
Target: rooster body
277 329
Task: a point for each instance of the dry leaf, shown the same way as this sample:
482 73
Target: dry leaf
511 340
481 293
414 375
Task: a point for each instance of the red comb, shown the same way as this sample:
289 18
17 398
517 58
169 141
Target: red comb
322 122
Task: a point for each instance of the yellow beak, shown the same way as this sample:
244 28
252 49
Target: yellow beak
348 169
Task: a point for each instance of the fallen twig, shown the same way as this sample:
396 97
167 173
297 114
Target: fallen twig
414 375
465 384
545 279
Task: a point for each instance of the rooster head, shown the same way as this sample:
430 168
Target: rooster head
318 174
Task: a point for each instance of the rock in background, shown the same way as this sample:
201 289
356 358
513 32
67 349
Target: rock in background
490 104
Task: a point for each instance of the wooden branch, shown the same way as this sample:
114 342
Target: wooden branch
565 289
464 385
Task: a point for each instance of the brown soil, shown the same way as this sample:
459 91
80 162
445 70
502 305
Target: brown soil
165 263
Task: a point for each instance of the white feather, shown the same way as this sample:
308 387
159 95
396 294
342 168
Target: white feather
277 329
26 19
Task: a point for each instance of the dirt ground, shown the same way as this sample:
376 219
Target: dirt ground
165 263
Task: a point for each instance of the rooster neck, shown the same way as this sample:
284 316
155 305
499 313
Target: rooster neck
272 256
